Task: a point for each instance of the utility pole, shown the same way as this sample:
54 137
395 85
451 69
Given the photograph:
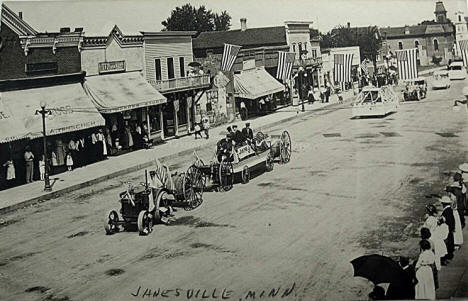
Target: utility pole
43 113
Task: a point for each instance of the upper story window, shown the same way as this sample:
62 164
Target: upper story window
294 47
170 68
300 49
182 66
400 45
157 69
436 45
314 53
459 18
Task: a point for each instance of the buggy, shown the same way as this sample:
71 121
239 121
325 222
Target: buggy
416 89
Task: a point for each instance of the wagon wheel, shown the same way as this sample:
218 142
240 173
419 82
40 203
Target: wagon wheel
285 147
269 162
111 224
245 175
194 185
226 176
145 222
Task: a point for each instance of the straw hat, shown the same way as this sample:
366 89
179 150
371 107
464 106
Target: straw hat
445 200
463 167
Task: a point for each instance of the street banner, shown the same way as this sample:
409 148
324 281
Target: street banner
285 65
407 64
342 67
229 56
463 45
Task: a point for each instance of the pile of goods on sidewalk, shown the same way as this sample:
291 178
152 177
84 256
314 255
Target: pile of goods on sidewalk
441 235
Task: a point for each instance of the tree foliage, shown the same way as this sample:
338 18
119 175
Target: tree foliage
198 19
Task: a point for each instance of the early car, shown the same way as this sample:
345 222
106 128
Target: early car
373 101
457 71
416 89
440 79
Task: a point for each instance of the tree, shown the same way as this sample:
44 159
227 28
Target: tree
198 19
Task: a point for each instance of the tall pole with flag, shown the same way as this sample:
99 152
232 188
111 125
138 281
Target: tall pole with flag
228 59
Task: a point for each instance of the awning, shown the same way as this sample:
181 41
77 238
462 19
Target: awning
71 109
255 83
121 92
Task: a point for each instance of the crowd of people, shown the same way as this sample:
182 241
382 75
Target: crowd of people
441 235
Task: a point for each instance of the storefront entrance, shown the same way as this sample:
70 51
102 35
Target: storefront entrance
169 120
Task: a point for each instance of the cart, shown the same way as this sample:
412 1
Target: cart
237 162
183 190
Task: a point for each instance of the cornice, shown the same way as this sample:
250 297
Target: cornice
20 27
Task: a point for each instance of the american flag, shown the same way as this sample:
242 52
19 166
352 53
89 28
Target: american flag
463 45
285 65
406 63
164 175
342 67
229 56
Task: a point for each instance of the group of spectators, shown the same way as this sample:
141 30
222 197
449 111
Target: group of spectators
441 235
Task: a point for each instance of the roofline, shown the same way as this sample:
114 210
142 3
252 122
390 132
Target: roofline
299 22
168 33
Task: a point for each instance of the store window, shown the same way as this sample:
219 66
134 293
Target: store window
157 68
436 45
182 113
182 66
170 68
294 47
154 118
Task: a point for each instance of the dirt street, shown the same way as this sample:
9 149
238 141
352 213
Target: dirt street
353 187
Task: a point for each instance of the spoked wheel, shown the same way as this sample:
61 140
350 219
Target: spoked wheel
111 224
226 176
194 184
145 222
245 175
269 162
285 147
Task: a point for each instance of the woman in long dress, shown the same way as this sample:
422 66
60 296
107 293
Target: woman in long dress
458 235
431 218
425 288
438 237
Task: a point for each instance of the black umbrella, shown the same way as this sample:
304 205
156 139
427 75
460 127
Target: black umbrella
377 268
194 64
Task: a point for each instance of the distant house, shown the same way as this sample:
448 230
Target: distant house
433 40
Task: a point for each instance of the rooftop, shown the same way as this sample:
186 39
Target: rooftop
415 30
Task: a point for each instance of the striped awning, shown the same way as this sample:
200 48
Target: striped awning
121 92
255 83
71 110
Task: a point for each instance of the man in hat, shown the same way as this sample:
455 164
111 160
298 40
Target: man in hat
403 288
464 173
458 189
447 213
238 137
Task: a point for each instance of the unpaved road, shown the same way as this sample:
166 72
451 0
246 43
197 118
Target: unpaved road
359 189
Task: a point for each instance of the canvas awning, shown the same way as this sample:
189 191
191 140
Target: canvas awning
255 83
71 110
121 92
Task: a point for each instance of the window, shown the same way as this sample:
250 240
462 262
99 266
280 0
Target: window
436 45
314 53
182 66
300 49
294 47
459 18
157 68
400 45
170 68
416 44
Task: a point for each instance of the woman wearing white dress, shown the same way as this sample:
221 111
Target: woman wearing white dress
439 235
425 288
431 218
458 235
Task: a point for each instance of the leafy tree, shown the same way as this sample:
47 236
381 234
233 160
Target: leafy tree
198 19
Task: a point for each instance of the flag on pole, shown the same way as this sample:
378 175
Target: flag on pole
406 63
285 65
342 67
463 46
229 56
163 174
365 66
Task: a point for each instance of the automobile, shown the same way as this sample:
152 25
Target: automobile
440 80
416 89
457 71
374 101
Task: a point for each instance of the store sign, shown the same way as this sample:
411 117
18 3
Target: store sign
109 67
244 151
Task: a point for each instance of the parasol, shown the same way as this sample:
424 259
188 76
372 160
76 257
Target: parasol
194 64
377 268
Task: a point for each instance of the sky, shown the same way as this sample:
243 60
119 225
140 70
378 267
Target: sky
98 16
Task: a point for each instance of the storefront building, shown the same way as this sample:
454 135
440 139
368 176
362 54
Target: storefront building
167 59
43 70
328 58
115 83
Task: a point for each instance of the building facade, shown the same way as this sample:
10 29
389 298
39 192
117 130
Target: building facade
167 56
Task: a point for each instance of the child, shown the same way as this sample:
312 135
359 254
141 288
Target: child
42 168
197 131
69 162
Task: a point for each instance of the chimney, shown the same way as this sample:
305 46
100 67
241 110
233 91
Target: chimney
349 25
243 24
65 30
20 15
78 29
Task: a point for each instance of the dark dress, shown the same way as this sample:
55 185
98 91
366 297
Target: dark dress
447 213
404 288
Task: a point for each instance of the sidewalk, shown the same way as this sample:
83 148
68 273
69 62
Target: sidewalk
453 278
28 194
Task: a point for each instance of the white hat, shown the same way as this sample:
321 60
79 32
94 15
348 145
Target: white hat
465 91
445 200
463 167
